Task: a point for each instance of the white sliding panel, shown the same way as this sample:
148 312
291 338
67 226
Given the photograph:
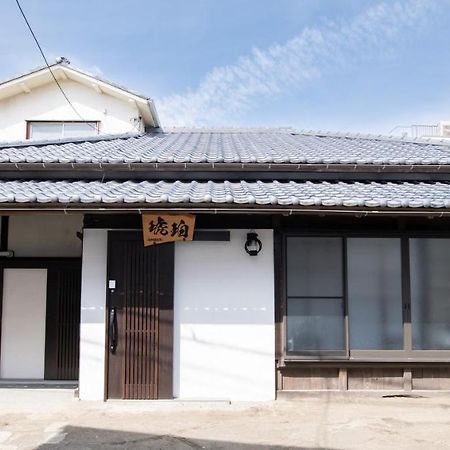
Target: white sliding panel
23 324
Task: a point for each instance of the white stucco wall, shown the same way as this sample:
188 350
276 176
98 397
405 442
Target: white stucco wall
47 103
23 324
45 235
224 343
93 303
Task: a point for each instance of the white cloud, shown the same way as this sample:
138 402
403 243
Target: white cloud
228 90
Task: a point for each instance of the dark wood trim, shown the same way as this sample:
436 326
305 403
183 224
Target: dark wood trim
166 306
372 234
35 262
363 363
212 235
4 233
37 171
298 224
345 297
406 295
51 331
279 281
3 247
208 222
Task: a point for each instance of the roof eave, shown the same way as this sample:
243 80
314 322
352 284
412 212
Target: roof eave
196 208
133 166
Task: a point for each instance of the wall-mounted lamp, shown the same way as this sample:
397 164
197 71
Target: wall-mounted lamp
252 245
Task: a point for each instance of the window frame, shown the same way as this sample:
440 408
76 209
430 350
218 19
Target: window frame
312 354
29 125
405 355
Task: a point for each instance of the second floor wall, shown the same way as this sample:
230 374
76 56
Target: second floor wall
47 104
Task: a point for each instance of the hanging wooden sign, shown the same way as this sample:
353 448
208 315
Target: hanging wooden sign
161 228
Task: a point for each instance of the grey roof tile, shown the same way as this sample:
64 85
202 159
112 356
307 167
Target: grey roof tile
238 146
328 194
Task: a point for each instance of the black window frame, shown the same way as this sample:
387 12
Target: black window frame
407 354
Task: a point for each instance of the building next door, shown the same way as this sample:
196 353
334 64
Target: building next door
140 318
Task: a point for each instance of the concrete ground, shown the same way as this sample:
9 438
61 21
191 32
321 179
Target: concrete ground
51 419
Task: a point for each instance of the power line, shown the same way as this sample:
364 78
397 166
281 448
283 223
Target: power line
49 68
102 154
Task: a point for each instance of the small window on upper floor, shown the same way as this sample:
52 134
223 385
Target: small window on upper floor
56 130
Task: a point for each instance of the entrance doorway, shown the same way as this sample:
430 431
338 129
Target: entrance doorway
140 318
40 318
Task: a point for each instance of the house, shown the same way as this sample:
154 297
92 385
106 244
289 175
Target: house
32 105
319 262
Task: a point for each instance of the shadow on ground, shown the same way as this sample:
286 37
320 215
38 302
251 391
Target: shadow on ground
95 438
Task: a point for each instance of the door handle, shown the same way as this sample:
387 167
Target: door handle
113 330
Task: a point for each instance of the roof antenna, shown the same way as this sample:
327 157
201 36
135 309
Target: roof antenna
62 60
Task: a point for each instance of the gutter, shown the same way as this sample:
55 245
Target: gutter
221 172
170 208
222 167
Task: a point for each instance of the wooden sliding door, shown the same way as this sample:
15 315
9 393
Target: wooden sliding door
140 318
62 343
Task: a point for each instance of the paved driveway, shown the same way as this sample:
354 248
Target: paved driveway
53 420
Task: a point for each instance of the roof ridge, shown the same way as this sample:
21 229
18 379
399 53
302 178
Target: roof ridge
75 140
228 129
376 137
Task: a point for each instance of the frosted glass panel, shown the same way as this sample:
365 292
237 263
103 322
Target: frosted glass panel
80 129
46 130
374 294
57 130
430 293
315 324
314 267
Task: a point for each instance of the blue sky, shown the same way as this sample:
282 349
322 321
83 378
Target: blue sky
341 65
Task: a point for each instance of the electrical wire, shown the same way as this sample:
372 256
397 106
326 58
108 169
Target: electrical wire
50 69
59 86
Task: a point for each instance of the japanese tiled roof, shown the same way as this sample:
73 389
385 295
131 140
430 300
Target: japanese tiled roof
237 147
231 146
275 193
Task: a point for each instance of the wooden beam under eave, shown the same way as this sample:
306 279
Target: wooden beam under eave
25 88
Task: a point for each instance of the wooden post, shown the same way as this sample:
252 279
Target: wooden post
343 379
407 379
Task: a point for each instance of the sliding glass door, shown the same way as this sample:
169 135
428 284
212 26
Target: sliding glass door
367 297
